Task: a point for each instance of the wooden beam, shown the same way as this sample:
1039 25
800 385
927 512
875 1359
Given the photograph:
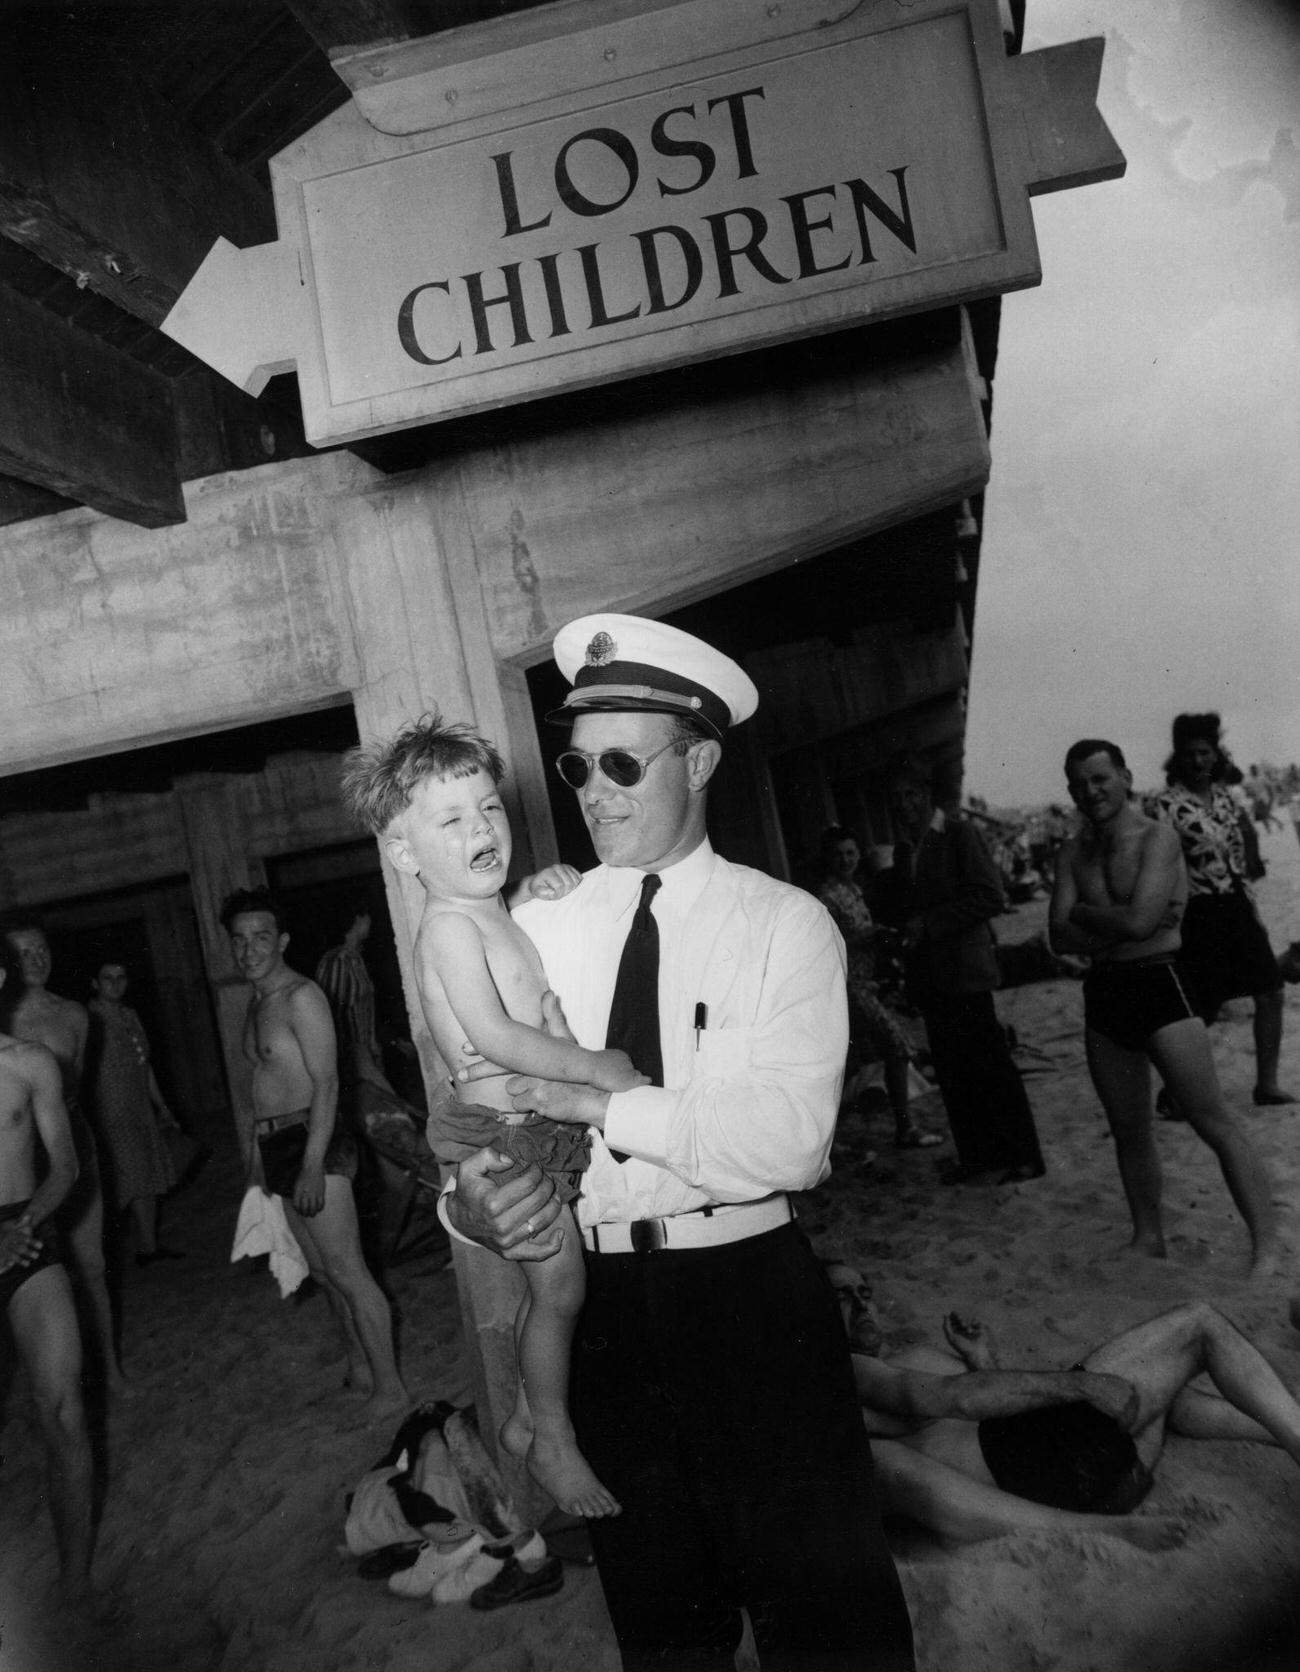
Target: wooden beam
103 180
84 420
20 501
338 25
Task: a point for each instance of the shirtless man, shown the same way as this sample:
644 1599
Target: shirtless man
61 1025
36 1296
992 1451
1120 892
297 1152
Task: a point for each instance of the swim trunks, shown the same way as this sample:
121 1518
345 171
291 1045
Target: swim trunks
50 1255
282 1151
562 1150
1066 1456
1127 1003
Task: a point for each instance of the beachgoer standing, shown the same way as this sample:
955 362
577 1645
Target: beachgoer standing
943 892
35 1294
298 1153
1225 952
62 1026
130 1112
1121 888
874 1030
711 1389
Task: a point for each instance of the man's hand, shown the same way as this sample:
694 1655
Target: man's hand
578 1105
553 882
515 1219
1113 1397
18 1244
309 1191
613 1071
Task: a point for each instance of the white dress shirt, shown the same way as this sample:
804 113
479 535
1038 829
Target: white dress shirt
750 1099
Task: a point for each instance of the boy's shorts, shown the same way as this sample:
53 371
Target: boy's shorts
563 1151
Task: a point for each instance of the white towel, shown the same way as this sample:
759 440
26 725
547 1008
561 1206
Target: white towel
263 1229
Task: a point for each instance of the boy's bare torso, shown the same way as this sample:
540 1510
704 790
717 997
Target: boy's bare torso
1105 865
281 1083
517 975
17 1125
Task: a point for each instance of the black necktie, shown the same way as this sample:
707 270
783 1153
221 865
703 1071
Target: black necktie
634 1011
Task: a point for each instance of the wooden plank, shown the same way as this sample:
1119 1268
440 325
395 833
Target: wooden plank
116 636
21 500
339 25
84 420
589 518
105 181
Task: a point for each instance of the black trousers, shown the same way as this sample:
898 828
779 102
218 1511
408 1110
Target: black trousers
712 1393
988 1111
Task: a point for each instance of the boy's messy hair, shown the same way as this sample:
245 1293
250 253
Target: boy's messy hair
379 779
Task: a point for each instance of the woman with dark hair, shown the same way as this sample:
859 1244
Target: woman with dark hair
130 1112
1226 952
873 1029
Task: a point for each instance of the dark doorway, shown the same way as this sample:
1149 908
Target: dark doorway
151 929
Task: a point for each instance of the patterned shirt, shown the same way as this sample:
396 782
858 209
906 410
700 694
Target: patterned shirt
1211 836
345 981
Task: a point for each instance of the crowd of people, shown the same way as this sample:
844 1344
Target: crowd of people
645 1065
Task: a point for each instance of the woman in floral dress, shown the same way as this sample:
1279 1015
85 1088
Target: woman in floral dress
130 1113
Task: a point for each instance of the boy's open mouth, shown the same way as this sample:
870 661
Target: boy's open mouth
486 859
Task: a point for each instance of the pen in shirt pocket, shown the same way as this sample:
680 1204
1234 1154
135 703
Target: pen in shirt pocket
701 1022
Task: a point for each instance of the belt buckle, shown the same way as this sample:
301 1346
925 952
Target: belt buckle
648 1236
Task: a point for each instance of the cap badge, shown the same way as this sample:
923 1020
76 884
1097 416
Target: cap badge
602 649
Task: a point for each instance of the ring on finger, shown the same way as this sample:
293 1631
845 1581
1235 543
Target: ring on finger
528 1226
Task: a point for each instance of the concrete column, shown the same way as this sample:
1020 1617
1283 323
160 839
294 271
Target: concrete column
421 644
219 863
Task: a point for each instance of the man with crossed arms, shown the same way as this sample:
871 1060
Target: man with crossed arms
711 1386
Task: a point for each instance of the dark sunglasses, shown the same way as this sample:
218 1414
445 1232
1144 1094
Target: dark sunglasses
620 766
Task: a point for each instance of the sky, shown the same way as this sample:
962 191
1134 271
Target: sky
1141 543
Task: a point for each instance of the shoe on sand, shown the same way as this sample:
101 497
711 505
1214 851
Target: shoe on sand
436 1561
517 1583
488 1566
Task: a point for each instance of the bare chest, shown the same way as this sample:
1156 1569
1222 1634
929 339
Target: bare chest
516 972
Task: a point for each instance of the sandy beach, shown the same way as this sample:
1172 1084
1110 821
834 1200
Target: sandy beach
224 1480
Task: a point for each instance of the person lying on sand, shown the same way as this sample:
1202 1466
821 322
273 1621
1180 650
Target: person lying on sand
973 1451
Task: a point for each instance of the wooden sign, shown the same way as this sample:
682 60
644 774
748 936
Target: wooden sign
545 201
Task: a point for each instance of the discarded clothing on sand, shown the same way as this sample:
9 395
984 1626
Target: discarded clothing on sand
433 1517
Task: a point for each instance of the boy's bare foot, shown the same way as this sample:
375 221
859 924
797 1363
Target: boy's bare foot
560 1469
